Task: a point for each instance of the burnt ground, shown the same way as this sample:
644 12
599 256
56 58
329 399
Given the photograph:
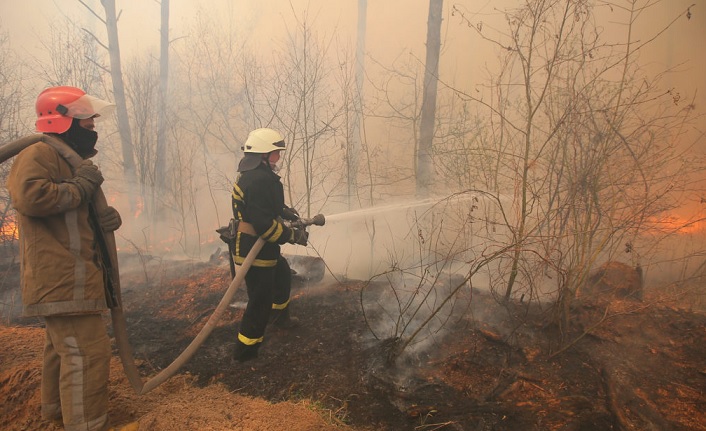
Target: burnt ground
622 365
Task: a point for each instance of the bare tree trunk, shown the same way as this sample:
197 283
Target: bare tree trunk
426 133
111 24
358 128
160 152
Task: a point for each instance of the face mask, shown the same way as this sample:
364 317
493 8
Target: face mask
81 139
276 166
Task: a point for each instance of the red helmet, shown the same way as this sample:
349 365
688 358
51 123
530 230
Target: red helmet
58 106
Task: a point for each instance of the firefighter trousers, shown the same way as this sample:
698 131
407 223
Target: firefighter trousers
268 289
75 372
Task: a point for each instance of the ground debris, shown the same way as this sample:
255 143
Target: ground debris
643 368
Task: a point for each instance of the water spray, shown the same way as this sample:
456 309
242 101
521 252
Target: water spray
379 209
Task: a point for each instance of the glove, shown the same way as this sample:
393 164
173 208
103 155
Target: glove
300 237
290 214
87 178
110 220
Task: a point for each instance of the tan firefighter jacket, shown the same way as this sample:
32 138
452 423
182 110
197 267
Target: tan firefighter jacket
60 266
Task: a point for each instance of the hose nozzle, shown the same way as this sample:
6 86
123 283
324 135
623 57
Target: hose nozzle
318 220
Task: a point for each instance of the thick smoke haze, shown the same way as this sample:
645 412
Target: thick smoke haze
395 28
396 36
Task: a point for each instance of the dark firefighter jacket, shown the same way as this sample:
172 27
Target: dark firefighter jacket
258 199
59 262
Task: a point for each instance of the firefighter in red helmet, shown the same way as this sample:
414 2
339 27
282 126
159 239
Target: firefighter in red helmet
61 275
259 209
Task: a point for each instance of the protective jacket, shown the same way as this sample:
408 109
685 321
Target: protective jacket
61 271
258 199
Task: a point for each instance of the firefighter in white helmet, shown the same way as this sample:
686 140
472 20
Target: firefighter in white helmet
62 278
258 208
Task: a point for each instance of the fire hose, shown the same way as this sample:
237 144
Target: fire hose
168 372
141 387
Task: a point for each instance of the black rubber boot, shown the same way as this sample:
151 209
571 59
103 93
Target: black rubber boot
242 352
281 319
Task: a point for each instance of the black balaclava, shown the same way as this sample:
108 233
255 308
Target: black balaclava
81 139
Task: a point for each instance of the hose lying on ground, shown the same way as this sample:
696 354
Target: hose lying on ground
210 324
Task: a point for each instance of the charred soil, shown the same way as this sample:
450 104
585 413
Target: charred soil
619 365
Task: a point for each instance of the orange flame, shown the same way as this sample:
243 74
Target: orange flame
676 224
9 230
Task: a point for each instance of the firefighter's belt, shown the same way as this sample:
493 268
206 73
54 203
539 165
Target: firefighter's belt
247 228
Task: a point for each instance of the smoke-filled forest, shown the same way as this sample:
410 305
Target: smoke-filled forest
511 191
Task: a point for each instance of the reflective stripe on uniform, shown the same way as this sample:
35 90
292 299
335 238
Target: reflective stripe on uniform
76 374
249 341
238 199
260 263
274 232
280 306
79 291
238 194
239 260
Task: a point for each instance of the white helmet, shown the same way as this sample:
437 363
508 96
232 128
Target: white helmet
263 141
